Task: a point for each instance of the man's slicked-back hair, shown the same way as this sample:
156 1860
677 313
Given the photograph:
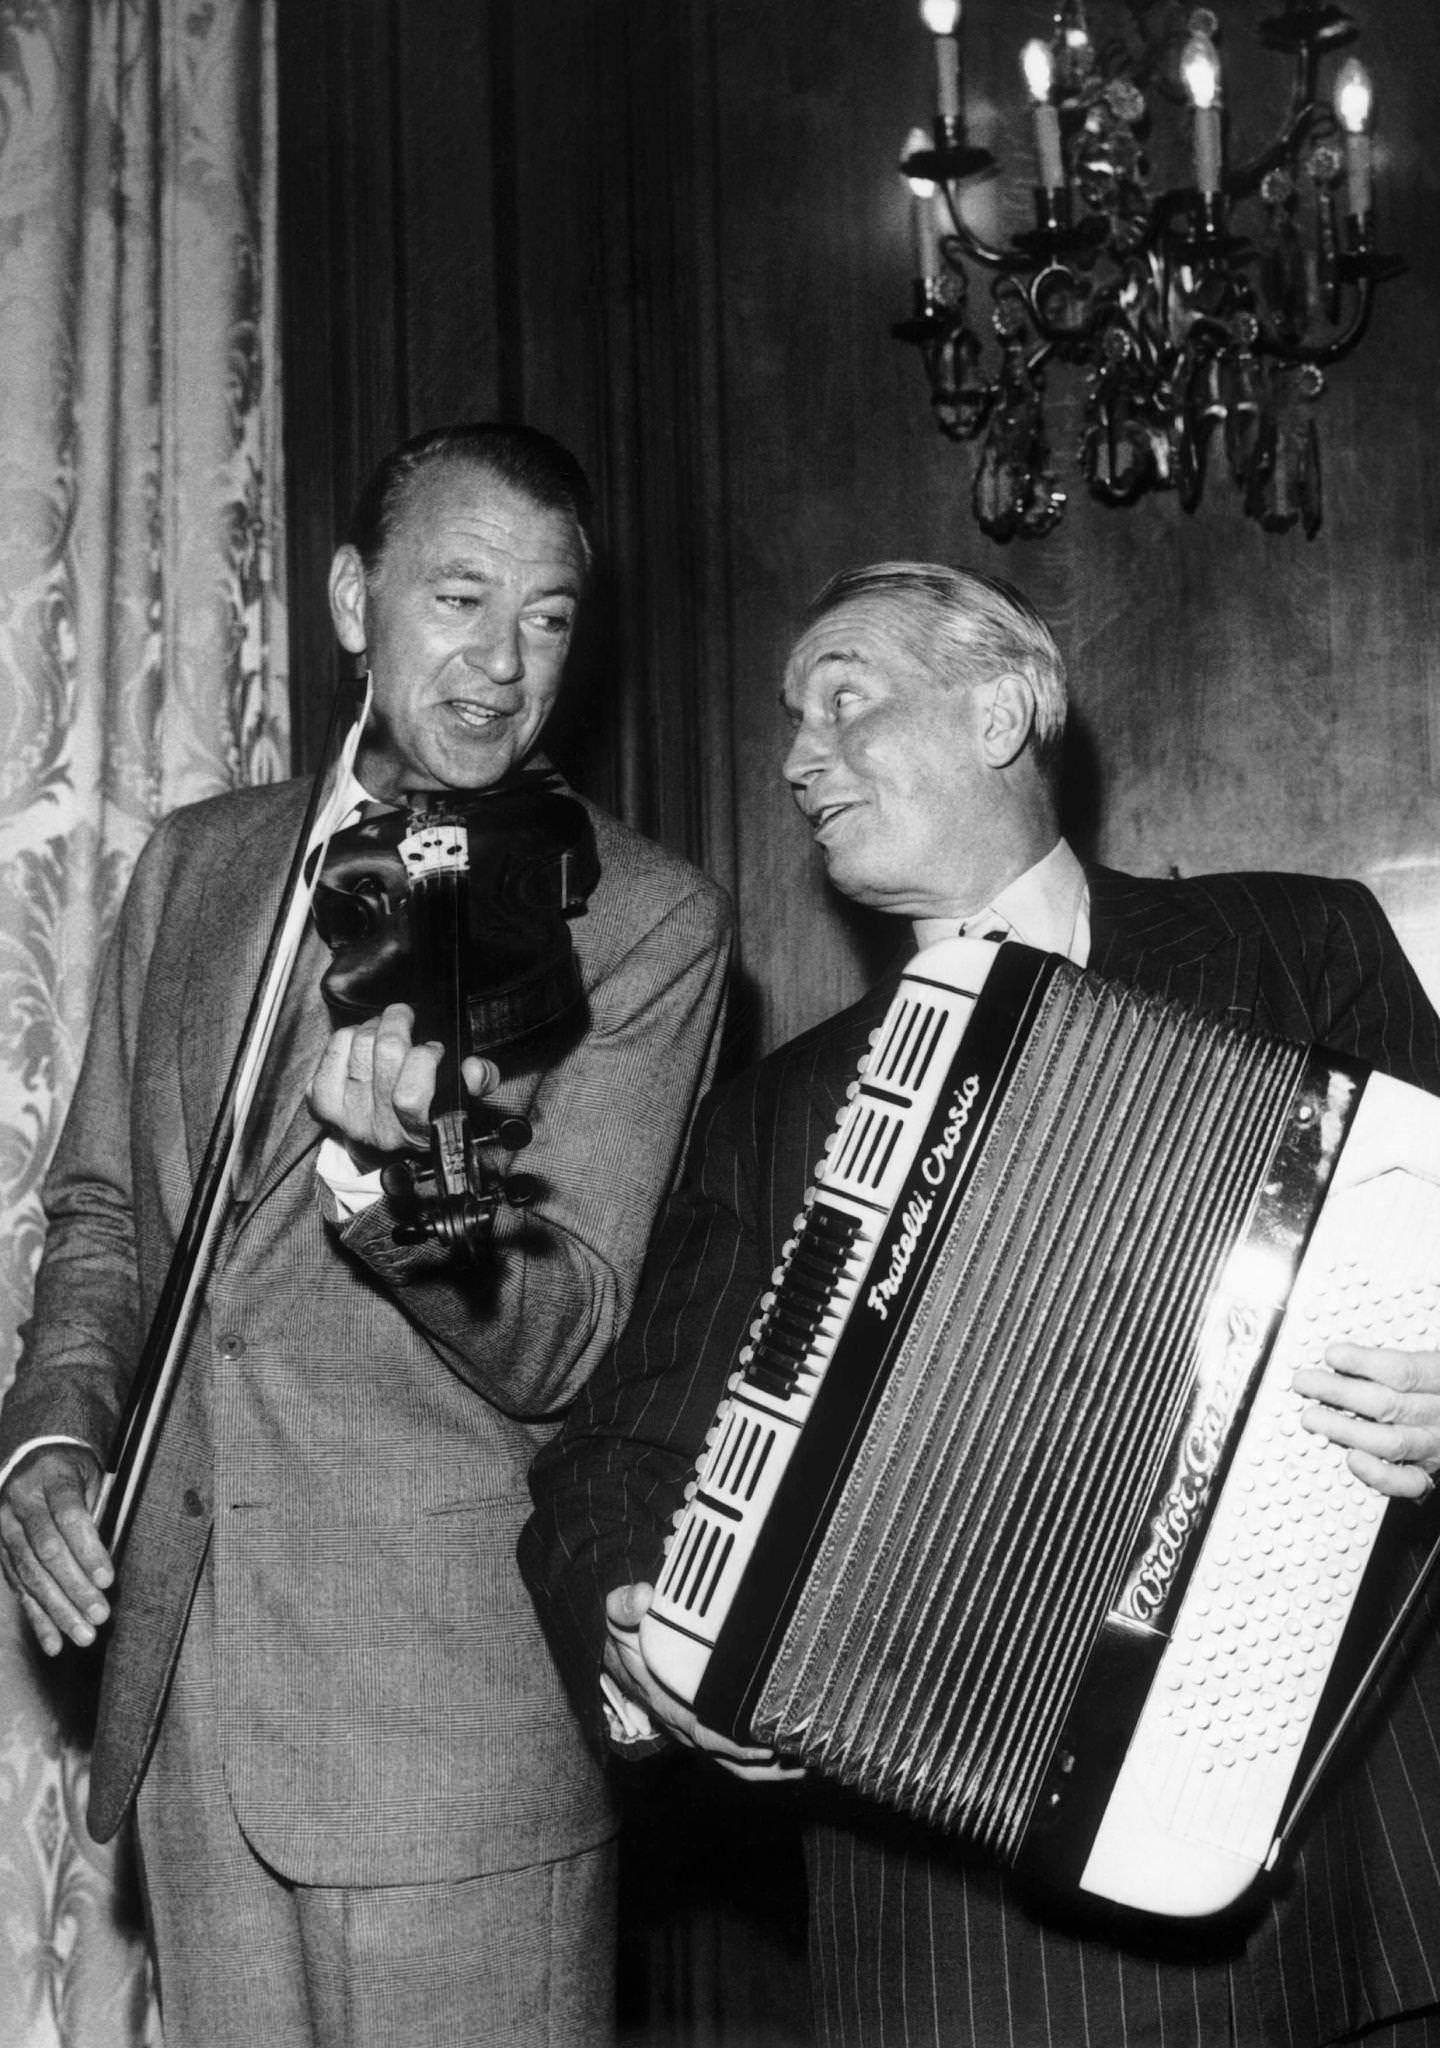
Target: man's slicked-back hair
522 457
970 627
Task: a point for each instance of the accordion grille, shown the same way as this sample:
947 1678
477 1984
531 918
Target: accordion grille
976 1540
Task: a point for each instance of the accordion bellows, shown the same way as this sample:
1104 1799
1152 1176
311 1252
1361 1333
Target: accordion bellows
1008 1519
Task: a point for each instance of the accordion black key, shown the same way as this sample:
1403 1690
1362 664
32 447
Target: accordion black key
1008 1518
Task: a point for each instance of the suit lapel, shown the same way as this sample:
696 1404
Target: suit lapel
281 1128
241 896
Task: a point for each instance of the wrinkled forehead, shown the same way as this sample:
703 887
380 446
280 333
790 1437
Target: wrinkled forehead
892 633
460 503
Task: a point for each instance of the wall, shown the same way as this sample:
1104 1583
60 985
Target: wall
672 233
1247 698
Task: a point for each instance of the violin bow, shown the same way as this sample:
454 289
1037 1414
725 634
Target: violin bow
164 1349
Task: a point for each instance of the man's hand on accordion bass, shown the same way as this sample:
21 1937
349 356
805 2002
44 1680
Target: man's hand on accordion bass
1383 1408
625 1666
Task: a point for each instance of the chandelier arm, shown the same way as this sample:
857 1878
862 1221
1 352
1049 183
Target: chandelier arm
1011 261
1339 345
1307 72
1311 116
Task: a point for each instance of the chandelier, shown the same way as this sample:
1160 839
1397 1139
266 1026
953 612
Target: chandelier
1201 316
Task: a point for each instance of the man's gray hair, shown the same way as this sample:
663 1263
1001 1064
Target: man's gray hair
970 627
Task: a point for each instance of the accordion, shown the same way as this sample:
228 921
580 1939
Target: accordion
1008 1519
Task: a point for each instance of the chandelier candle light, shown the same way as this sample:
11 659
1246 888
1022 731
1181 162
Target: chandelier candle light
1200 346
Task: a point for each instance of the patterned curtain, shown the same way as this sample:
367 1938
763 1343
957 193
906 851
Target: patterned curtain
141 666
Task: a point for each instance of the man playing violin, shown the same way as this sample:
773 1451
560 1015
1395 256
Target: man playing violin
365 1811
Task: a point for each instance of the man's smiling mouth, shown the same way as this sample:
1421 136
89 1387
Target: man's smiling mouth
826 815
477 715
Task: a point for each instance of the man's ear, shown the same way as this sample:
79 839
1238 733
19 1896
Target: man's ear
347 599
1007 718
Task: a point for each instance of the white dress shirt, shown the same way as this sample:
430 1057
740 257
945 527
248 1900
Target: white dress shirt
1047 907
352 1188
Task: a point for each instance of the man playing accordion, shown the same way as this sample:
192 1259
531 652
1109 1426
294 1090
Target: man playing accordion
927 709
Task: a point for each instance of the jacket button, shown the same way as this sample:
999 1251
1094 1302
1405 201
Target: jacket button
232 1346
192 1503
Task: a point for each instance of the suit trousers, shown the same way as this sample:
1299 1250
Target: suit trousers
913 1947
523 1958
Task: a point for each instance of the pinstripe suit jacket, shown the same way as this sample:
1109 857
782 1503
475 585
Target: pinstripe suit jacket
351 1432
1353 1932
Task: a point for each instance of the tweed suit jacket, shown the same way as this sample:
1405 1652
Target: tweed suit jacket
351 1431
1351 1932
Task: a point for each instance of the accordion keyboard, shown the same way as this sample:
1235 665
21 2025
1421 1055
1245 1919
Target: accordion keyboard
824 1267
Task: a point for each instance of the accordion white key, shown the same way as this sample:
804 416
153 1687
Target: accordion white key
1008 1519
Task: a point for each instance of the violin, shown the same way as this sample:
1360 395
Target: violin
458 903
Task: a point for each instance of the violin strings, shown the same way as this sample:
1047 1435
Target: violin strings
459 908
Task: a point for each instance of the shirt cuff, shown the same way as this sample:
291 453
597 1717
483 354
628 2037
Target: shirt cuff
37 1443
626 1721
354 1190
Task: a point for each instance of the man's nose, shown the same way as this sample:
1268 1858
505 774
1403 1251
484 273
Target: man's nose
496 648
804 759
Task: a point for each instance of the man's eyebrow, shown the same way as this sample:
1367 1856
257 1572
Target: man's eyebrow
834 657
458 570
461 570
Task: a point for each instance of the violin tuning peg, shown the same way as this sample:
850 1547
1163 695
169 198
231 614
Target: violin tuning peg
500 1127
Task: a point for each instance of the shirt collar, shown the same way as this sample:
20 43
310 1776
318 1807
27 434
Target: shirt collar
1047 907
352 794
351 797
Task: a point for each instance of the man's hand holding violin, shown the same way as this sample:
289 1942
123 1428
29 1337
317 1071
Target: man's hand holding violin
374 1086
